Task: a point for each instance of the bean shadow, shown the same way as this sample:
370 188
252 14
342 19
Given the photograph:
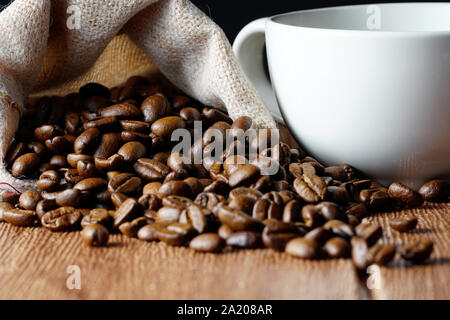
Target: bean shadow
401 264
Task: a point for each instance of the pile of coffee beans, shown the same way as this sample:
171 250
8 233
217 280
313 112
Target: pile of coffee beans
104 163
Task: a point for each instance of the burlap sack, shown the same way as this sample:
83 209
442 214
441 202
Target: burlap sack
55 46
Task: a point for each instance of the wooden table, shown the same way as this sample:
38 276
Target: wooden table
34 264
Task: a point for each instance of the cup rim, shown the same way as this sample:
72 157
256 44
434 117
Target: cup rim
365 32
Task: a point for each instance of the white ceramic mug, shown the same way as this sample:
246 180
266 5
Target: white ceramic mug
367 85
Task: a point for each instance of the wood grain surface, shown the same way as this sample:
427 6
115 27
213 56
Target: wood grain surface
401 280
34 262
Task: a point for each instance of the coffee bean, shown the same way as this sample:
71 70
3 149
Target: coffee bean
95 235
131 228
381 254
73 158
435 191
359 253
240 126
125 183
408 196
68 198
103 124
61 219
168 214
131 151
277 234
319 235
97 216
109 145
374 199
127 211
337 173
86 140
245 240
135 126
403 225
244 175
114 162
244 203
214 115
224 231
339 228
337 248
29 199
121 111
15 150
175 187
72 177
175 234
209 200
303 248
310 188
151 170
25 164
90 184
3 207
165 126
238 220
357 210
154 107
19 217
369 232
46 132
197 217
265 208
207 242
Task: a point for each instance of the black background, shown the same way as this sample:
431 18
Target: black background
233 15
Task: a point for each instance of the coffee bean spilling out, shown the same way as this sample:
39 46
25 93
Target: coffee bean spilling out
104 163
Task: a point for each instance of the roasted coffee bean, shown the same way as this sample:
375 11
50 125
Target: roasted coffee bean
168 214
102 124
245 240
73 158
207 242
149 232
68 198
337 173
337 248
165 126
114 162
131 151
95 235
319 235
338 195
240 126
369 232
244 175
151 188
130 136
125 183
29 199
154 107
97 216
86 169
109 145
120 111
262 184
58 162
255 194
61 219
238 220
224 231
38 148
360 250
243 202
403 225
127 211
43 206
189 115
310 188
435 191
357 210
176 234
209 200
46 132
72 177
408 196
135 126
381 254
151 170
339 228
58 145
150 201
214 115
3 207
118 198
131 228
310 216
197 217
195 185
266 209
303 248
25 164
175 187
374 199
20 217
176 201
277 234
86 141
89 184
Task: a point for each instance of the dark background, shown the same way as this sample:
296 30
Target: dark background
233 15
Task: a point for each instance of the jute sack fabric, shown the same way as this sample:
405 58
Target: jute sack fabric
55 46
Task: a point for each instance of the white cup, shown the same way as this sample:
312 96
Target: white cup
367 85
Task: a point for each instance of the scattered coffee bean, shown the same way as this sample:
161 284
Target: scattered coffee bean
19 217
95 235
303 248
435 191
403 225
207 242
408 196
417 251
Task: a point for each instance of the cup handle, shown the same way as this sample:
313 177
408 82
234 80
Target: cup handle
249 50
